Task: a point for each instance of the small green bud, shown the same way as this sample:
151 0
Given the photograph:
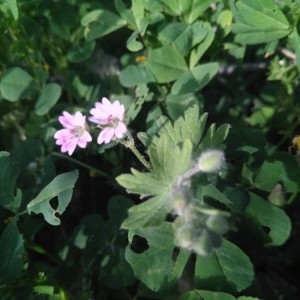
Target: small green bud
180 198
277 196
210 161
184 236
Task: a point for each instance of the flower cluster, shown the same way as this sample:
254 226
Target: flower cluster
108 116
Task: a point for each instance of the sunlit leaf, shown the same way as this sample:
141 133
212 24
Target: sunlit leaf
166 63
258 21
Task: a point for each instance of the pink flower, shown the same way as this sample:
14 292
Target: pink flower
109 116
74 132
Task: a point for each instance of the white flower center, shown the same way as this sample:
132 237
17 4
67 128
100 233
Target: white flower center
78 131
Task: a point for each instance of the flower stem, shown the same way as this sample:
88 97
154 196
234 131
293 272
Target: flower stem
130 144
84 165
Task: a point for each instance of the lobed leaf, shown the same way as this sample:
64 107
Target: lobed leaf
228 269
271 216
61 187
155 267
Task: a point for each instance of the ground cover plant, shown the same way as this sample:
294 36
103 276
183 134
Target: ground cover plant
149 149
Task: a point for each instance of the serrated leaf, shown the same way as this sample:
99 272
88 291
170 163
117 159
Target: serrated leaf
258 21
14 83
9 171
170 161
166 63
156 267
48 97
149 213
178 104
11 253
61 187
145 184
228 268
270 216
190 126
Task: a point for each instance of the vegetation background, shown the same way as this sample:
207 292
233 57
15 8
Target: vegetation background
194 76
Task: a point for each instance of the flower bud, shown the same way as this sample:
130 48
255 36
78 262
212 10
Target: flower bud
179 199
217 224
210 161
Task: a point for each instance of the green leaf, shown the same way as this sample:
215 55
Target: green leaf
13 7
48 97
9 171
100 22
272 217
295 42
178 34
166 64
193 9
133 44
228 269
202 43
258 21
135 75
115 271
81 51
11 253
279 167
178 104
134 16
156 267
195 79
145 184
206 295
212 192
214 137
151 212
61 186
14 83
169 161
190 126
172 7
